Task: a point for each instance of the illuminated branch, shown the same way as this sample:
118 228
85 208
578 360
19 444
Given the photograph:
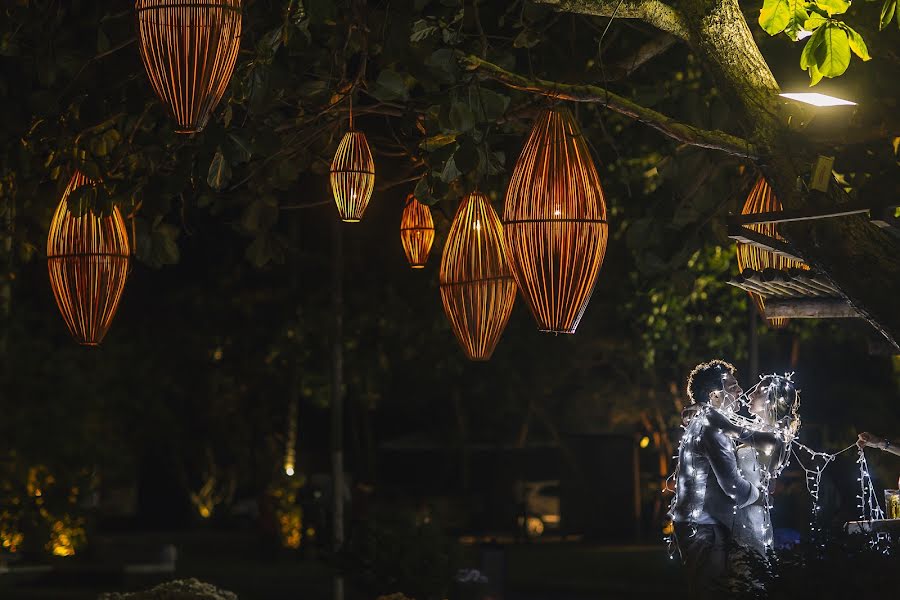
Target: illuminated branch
688 134
656 13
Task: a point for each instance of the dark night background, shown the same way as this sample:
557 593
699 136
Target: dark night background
215 338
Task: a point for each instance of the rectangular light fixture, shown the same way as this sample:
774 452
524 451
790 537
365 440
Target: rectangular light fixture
818 99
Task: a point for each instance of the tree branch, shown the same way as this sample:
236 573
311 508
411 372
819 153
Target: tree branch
656 13
648 51
688 134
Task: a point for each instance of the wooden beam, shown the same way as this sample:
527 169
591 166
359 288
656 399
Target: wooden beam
818 308
748 236
805 214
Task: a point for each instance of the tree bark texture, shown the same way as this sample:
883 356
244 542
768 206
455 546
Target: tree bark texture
860 259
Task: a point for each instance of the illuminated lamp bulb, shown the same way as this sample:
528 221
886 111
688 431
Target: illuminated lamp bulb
554 222
762 200
88 260
189 48
817 99
416 232
477 288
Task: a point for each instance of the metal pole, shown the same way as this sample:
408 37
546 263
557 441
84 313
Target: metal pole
337 400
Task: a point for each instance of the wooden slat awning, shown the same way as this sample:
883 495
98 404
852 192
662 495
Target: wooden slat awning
795 294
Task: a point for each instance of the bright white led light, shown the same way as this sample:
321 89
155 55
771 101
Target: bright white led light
818 99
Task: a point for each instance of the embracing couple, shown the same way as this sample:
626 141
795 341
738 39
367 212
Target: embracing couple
726 461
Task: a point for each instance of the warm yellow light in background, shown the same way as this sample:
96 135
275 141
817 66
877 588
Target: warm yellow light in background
817 99
645 441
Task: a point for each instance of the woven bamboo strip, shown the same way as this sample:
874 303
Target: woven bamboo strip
477 288
88 259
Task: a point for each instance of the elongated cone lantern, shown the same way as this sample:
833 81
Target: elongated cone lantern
416 232
189 48
477 287
352 176
761 200
554 222
88 259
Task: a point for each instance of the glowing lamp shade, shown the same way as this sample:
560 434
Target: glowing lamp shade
817 99
477 287
554 222
352 176
416 232
189 48
88 258
761 200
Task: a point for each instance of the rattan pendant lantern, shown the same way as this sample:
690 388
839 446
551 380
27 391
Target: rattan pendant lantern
416 232
88 258
761 200
352 175
477 287
554 222
189 48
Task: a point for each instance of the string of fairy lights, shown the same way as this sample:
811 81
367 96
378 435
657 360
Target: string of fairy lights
867 500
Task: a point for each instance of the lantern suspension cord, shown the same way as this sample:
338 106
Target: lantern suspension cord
600 44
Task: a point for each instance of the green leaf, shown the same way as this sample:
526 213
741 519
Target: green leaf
799 15
430 144
219 171
774 16
466 156
390 86
450 171
461 117
833 55
814 21
490 104
527 38
887 13
833 7
260 215
857 44
807 56
421 29
815 75
102 144
239 148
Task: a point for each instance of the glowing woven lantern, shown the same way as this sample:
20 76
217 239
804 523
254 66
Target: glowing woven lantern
87 257
189 48
352 176
554 221
477 287
761 200
416 232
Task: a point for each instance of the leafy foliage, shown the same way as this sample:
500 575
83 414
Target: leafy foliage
831 41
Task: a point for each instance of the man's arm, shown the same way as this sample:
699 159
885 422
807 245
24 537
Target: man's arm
720 452
764 441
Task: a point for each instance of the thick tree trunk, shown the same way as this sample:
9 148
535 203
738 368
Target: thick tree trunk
862 260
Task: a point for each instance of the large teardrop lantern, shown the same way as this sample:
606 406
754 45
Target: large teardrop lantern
554 222
477 287
762 200
88 258
189 48
416 232
352 175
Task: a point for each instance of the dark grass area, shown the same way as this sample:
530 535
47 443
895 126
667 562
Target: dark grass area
234 562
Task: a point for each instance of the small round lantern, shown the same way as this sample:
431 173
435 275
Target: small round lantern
189 48
352 176
416 232
761 200
88 258
554 221
477 287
